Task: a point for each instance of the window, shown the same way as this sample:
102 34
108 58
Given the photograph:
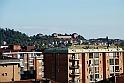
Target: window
2 74
87 62
21 56
90 62
53 55
87 77
112 74
53 77
58 62
96 75
107 69
52 70
120 68
91 78
2 65
96 69
111 55
52 62
90 55
107 61
116 61
96 62
58 55
87 69
32 68
117 55
116 68
108 76
58 70
58 79
6 65
96 55
77 62
77 56
111 62
111 68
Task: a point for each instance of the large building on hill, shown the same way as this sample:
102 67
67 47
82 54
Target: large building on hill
74 35
83 64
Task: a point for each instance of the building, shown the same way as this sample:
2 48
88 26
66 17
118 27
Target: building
83 63
66 36
9 69
31 64
31 61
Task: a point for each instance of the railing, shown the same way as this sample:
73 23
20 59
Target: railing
117 70
74 67
72 58
74 74
74 81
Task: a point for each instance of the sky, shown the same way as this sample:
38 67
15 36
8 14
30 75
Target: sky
89 18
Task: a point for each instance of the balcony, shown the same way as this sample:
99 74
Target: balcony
117 70
74 81
116 56
74 59
74 74
31 65
74 67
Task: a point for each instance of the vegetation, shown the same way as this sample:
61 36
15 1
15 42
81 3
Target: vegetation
12 37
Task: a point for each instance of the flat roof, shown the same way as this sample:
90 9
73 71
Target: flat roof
84 48
9 61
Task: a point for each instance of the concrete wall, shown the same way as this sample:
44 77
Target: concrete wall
8 72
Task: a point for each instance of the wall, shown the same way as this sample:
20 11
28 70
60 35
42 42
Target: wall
13 71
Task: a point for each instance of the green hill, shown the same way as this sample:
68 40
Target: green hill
12 37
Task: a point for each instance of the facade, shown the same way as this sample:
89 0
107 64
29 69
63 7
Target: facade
31 64
83 64
9 70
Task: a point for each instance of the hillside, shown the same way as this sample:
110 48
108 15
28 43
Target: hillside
12 37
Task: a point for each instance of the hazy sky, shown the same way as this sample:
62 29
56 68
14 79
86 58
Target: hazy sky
90 18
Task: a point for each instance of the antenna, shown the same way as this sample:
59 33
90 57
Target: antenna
107 41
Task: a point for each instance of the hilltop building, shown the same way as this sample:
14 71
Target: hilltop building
74 35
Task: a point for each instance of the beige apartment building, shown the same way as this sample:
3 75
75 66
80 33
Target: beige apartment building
31 64
9 70
83 63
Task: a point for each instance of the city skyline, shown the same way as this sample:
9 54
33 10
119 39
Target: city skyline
91 19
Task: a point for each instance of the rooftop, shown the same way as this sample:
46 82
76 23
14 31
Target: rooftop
81 48
8 60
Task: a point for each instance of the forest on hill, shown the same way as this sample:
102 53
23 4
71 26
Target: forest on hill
12 37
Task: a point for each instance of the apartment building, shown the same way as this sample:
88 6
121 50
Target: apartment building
83 63
31 64
9 70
